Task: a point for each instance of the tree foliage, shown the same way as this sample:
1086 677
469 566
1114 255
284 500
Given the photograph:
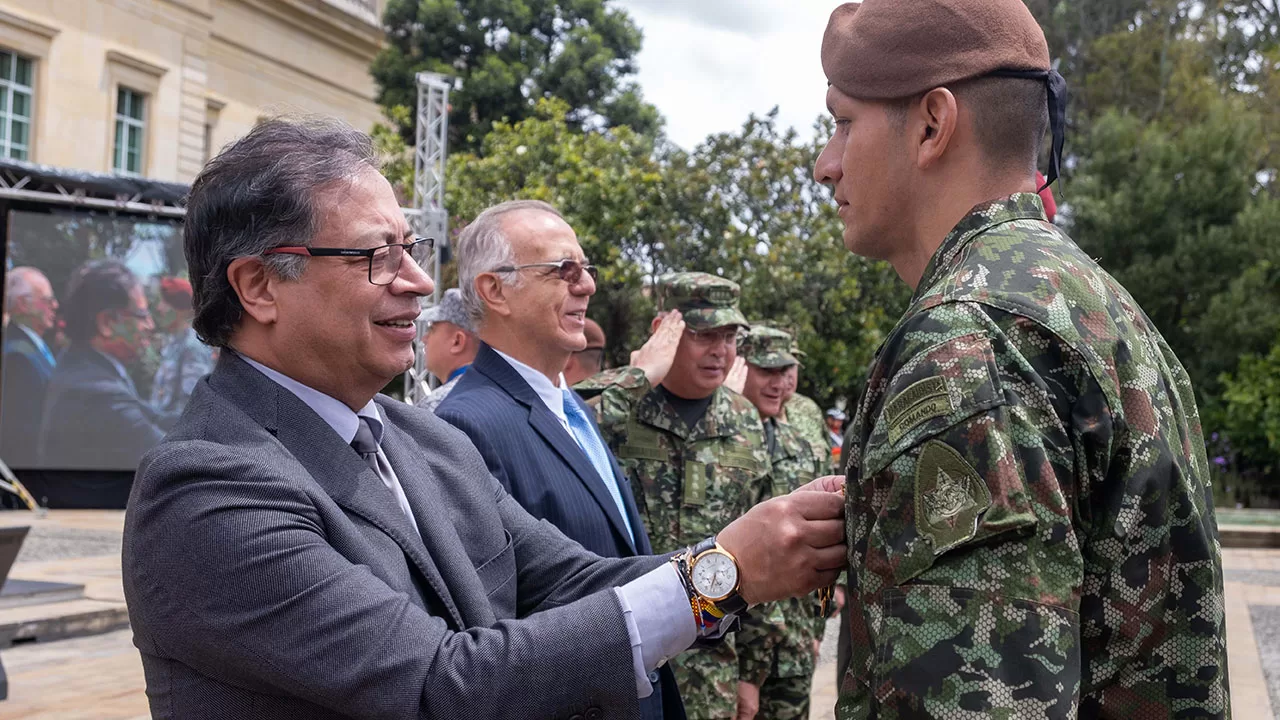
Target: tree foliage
1251 399
506 56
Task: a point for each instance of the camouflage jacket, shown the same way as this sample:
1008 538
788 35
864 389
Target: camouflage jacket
805 415
1030 525
792 623
688 484
437 396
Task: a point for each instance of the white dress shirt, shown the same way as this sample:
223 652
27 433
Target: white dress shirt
656 607
345 423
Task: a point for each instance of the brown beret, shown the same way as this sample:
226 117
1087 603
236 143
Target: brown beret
891 49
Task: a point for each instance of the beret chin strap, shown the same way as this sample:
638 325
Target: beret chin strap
1057 92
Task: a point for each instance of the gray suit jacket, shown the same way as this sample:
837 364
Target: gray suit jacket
270 574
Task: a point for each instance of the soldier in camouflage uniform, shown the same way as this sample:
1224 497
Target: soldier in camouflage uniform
803 413
786 674
694 472
1030 525
799 410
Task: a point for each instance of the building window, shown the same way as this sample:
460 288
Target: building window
131 131
15 106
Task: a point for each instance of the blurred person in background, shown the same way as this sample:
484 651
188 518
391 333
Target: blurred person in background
589 360
450 345
95 426
28 363
184 359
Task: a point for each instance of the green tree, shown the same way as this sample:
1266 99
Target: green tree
1251 397
1160 206
507 56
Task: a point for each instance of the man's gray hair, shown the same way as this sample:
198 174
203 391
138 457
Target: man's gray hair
18 283
261 192
484 246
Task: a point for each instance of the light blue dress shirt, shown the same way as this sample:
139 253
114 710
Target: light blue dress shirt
656 607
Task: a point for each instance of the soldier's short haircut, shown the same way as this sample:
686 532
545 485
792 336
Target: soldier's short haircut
484 245
1010 118
261 192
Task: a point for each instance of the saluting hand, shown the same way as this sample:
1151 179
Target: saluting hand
657 354
736 378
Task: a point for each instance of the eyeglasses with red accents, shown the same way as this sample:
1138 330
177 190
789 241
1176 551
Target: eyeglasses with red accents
384 261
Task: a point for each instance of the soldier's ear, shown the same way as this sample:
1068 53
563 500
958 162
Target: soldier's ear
939 116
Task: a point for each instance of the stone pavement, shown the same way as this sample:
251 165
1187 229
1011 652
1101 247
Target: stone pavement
100 676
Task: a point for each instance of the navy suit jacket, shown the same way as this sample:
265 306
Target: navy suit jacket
540 464
26 380
538 461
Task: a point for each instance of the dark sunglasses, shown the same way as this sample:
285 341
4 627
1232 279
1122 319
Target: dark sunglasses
569 271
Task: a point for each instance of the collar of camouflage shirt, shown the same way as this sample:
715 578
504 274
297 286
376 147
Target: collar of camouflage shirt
1020 206
654 411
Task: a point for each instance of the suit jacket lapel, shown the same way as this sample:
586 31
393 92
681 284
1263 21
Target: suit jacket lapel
548 426
641 544
438 532
332 463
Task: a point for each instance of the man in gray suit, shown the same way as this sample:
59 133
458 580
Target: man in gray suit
302 547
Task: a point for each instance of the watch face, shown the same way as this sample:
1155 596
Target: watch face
715 575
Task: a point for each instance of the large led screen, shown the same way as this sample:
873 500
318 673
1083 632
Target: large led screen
99 355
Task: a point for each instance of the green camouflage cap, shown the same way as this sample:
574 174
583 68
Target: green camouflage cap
786 328
705 301
767 347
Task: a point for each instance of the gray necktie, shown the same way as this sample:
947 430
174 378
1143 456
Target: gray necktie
365 444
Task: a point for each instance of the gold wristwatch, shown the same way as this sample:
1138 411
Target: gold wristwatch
714 576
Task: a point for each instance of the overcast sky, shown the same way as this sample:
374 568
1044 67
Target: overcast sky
708 64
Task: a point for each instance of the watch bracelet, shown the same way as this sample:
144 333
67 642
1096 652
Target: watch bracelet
706 616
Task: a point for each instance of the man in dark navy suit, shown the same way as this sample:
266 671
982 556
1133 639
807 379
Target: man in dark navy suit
526 283
27 364
96 427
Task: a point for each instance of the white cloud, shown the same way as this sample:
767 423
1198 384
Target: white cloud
708 64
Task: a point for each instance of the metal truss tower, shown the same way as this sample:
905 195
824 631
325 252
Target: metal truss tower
429 217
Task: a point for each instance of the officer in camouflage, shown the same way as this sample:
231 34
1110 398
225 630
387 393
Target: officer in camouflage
1030 525
785 675
801 411
694 452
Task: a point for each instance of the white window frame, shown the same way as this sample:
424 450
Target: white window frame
24 35
9 89
126 71
125 121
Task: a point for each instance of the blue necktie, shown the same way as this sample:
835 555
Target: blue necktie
593 446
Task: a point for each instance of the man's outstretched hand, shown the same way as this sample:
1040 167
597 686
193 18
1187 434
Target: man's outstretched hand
791 545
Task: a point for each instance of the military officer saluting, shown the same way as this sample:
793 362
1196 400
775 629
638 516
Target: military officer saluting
694 452
1030 525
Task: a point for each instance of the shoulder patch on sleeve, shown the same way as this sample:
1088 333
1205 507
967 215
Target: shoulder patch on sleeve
950 497
923 400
